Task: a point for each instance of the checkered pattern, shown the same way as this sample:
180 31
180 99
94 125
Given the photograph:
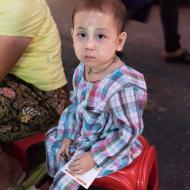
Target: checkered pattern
104 118
63 182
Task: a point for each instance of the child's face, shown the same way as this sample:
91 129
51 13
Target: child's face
95 38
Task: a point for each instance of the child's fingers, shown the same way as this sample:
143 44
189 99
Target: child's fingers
74 167
80 172
67 152
77 169
59 155
58 158
73 164
78 157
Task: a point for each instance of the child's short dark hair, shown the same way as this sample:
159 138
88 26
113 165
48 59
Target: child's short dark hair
114 7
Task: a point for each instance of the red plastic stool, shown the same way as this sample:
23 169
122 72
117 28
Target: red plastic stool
142 174
20 147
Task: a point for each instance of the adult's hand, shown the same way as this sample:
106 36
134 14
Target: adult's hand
11 50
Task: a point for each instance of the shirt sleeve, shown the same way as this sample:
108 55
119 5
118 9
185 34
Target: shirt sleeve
67 126
67 123
19 18
127 107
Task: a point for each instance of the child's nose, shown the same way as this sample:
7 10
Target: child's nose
90 44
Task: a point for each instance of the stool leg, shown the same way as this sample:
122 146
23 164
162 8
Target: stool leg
153 182
24 159
155 178
20 147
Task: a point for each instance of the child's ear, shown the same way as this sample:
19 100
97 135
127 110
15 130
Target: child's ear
121 41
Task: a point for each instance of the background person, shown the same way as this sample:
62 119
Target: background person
169 17
32 79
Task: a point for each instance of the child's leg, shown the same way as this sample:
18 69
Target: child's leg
52 147
63 182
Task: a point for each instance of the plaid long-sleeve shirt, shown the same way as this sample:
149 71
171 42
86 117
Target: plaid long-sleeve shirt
105 117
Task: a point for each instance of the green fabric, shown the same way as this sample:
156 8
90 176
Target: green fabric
35 177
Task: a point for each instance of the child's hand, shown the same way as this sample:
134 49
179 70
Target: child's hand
82 163
64 150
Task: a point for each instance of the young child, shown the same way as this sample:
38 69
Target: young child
102 124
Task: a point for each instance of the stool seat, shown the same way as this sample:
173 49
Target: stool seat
142 174
20 147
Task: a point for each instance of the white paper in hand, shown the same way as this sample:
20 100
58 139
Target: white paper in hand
84 180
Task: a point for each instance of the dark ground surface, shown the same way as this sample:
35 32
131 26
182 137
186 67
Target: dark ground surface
167 116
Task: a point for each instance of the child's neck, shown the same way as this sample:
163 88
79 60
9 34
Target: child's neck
92 75
103 68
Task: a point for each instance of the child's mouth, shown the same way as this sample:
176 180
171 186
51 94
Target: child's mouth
90 58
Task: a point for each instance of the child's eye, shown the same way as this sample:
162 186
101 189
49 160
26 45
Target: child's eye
81 35
100 36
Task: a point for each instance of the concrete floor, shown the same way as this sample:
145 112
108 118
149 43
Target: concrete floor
167 116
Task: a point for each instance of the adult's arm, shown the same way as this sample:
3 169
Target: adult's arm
11 50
